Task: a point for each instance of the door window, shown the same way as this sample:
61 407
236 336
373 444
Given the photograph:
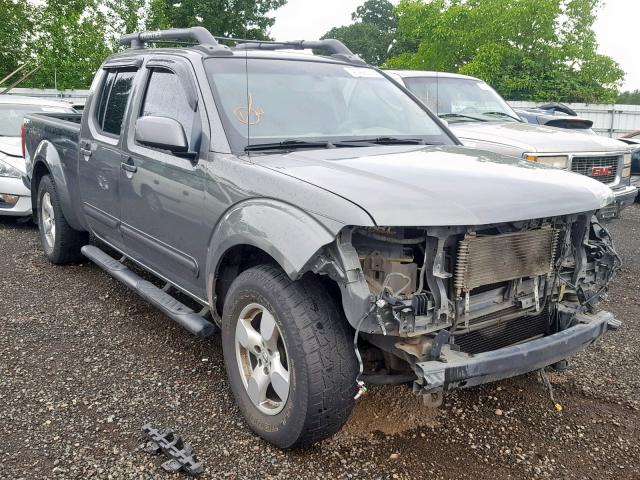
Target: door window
165 97
113 100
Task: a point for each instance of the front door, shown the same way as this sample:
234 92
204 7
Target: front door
162 194
100 154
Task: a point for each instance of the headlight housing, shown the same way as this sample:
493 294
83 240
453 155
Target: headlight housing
7 170
556 161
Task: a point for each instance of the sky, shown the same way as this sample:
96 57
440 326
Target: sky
616 23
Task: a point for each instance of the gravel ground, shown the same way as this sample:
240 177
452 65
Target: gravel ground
84 364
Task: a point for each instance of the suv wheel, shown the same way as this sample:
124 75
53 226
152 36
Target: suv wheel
289 357
60 242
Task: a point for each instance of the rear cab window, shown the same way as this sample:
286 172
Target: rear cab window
113 101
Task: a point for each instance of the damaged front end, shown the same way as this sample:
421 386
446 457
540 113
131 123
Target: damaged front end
463 305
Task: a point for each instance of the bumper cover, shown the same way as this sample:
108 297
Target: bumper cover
15 186
461 370
624 197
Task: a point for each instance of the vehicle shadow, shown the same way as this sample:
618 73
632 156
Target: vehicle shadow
22 223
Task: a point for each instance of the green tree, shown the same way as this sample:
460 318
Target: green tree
228 18
69 39
125 16
378 13
526 49
371 36
629 98
70 43
364 39
15 29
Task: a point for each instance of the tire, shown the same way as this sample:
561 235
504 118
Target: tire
316 349
60 242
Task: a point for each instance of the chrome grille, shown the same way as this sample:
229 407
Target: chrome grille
585 165
485 260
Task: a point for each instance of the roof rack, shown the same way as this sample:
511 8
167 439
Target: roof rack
199 35
203 39
334 47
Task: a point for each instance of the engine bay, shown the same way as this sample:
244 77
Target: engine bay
476 288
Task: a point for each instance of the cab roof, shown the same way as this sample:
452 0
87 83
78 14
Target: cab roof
278 54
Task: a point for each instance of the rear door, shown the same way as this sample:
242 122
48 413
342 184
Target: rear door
162 200
100 153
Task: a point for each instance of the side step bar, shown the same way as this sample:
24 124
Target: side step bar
180 313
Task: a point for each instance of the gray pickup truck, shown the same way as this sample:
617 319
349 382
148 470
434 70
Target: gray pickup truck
481 118
322 218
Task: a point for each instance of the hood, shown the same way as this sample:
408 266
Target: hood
11 146
441 185
534 138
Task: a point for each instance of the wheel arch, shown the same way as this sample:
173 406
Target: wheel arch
47 161
262 231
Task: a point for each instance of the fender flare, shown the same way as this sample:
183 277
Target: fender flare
47 154
289 235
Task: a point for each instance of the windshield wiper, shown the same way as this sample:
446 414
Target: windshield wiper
390 141
502 114
458 115
288 145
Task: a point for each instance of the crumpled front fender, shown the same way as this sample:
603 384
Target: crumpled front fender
289 235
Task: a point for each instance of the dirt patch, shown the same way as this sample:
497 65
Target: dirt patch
390 410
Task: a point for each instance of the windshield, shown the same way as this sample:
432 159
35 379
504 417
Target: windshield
299 102
461 99
11 116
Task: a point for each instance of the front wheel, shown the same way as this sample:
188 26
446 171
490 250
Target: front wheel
289 357
60 242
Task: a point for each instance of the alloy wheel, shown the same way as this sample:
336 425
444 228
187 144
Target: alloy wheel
48 220
262 359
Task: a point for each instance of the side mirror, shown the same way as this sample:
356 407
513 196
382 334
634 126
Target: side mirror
161 132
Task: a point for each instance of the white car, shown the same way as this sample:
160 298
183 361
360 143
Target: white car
480 118
15 196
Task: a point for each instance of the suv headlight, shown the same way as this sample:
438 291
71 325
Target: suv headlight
556 161
626 167
7 170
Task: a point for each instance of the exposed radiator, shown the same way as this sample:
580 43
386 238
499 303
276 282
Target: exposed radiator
503 334
485 260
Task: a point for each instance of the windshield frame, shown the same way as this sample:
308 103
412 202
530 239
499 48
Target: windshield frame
239 148
489 118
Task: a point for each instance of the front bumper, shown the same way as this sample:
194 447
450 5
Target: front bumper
635 182
462 370
624 196
15 186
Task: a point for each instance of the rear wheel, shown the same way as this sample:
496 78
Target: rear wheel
289 357
60 242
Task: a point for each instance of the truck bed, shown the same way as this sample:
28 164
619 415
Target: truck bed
61 129
55 137
72 120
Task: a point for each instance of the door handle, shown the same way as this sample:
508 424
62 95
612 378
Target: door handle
86 148
129 166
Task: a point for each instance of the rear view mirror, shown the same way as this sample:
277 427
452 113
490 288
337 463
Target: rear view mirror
161 132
